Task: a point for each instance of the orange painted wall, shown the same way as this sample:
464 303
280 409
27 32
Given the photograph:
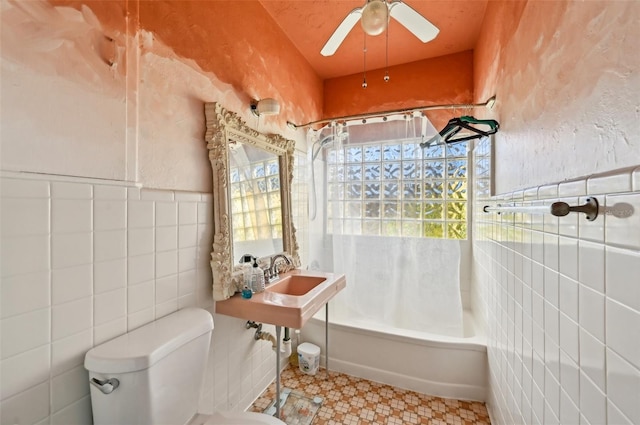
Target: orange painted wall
237 41
441 80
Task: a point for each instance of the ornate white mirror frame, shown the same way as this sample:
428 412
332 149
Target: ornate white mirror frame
223 128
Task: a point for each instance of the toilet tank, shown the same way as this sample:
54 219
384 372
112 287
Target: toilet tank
160 368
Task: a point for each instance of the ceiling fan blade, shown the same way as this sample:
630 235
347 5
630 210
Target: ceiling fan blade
413 21
341 32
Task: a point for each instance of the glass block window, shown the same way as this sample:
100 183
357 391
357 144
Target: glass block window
398 189
255 201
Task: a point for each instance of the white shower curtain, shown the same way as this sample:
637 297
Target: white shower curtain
399 281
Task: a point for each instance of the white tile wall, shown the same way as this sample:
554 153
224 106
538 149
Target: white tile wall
564 347
83 263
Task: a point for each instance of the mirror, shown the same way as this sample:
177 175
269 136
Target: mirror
252 174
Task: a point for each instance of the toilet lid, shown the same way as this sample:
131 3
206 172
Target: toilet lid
242 418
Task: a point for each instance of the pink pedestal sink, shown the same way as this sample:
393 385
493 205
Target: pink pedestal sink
289 301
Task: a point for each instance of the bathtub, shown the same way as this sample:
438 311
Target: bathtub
432 364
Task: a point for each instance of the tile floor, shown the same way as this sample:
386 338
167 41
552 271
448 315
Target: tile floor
354 401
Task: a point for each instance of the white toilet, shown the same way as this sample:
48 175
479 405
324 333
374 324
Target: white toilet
153 375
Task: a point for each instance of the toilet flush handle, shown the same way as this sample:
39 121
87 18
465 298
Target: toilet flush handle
107 386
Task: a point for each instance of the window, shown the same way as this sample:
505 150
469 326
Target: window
255 198
398 189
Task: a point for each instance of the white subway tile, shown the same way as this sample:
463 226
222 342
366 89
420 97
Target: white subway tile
65 190
592 359
551 287
140 214
166 263
569 297
593 403
69 352
140 268
552 399
102 192
27 407
623 331
71 284
24 216
551 254
133 193
623 386
552 357
110 245
24 254
593 230
140 318
69 387
24 371
187 282
167 238
76 413
611 183
166 308
569 413
166 289
109 330
24 293
568 225
570 377
622 274
182 196
25 332
187 236
187 259
591 260
572 188
71 249
140 241
569 337
166 214
622 224
568 257
109 275
110 306
552 322
591 312
190 300
156 195
615 416
71 318
187 213
635 180
19 188
548 191
71 215
205 212
109 214
140 297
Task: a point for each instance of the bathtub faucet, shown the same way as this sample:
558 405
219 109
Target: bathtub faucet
272 272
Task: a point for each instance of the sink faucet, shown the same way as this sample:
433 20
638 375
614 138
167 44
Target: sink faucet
272 271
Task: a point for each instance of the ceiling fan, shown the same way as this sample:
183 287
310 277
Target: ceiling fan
374 17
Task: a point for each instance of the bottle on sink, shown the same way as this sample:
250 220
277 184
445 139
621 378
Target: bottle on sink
257 280
247 270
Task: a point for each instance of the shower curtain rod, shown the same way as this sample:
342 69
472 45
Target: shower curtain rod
558 209
489 104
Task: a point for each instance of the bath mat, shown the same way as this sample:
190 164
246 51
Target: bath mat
295 408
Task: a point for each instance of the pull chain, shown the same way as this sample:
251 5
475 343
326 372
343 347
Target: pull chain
364 66
386 59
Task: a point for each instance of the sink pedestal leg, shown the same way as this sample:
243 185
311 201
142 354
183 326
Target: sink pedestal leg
278 330
326 339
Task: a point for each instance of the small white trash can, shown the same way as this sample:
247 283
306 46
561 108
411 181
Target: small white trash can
308 358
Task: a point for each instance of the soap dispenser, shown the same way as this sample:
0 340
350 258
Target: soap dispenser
258 278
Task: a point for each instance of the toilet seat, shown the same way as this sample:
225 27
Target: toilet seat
242 418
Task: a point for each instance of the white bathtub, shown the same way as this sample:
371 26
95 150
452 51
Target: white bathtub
432 364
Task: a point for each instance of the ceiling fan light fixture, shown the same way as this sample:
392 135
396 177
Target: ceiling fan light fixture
375 17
